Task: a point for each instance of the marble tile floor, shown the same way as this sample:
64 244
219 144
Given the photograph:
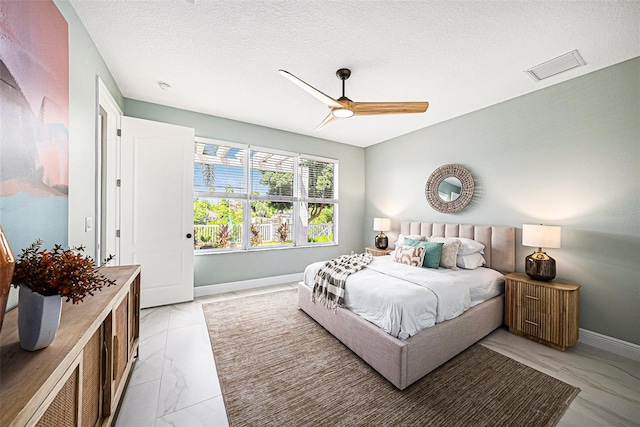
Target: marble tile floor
174 382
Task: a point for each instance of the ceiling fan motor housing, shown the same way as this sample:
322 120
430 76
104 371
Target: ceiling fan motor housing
343 73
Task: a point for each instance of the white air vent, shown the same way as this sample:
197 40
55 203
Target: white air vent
555 66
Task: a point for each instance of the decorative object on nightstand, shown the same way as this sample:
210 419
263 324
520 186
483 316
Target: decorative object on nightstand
539 265
546 312
378 252
381 225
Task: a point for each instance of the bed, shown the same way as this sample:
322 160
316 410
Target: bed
404 361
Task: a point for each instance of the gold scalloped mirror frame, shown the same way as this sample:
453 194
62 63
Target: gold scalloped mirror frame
439 175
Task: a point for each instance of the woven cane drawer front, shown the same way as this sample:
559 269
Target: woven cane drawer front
134 315
91 380
121 341
63 410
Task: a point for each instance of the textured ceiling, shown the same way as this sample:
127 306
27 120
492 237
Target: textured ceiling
222 57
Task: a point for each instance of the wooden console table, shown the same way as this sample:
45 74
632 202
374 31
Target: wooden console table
80 378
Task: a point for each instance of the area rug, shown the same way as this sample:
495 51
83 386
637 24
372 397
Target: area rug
278 367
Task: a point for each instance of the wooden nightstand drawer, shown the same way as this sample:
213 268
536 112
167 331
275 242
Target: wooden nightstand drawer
535 298
536 324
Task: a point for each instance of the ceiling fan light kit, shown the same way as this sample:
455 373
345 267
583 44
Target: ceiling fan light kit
342 113
343 107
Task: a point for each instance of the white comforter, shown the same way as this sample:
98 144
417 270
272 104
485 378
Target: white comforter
403 300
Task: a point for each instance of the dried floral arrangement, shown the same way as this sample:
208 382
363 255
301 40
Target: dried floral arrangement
60 271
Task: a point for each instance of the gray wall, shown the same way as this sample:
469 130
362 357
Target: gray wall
230 267
566 155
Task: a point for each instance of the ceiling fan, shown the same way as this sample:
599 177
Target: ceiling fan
343 107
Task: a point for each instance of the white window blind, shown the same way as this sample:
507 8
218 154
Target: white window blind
219 169
272 175
317 179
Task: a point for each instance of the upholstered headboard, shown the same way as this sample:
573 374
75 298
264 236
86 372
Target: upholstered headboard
499 242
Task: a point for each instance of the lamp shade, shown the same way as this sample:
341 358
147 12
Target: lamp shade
541 236
381 224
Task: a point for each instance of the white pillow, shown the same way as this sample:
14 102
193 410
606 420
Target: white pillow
449 251
416 237
469 246
471 261
410 255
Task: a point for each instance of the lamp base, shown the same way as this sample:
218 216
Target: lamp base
540 266
381 241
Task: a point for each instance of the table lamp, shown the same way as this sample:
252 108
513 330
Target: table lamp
539 265
381 224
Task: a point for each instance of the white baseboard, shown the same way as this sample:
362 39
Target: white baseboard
610 344
221 288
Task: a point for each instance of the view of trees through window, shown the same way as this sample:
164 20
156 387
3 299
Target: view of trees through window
246 197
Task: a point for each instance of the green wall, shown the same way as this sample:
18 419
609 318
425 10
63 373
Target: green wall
231 267
566 155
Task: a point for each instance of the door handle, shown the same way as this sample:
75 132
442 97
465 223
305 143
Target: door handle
188 235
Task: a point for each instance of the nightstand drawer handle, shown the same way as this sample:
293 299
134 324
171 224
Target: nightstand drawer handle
530 322
530 297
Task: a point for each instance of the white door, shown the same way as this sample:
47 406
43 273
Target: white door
156 194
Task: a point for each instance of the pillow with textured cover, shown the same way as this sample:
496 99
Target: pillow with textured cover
449 251
471 261
432 252
417 237
410 255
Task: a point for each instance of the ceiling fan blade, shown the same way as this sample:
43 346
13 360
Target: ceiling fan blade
325 99
326 121
373 108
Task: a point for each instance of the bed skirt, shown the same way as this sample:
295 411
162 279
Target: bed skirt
405 362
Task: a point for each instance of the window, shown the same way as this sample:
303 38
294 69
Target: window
220 189
318 203
255 198
272 198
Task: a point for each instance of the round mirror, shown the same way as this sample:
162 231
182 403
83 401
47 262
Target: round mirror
449 188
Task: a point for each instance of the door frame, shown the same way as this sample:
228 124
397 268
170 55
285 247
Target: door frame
107 203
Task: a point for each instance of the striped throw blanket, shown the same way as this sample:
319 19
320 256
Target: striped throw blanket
329 281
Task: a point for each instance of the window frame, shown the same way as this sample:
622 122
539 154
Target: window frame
247 197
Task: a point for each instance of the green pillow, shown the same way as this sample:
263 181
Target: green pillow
432 252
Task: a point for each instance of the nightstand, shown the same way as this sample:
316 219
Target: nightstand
546 312
378 252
